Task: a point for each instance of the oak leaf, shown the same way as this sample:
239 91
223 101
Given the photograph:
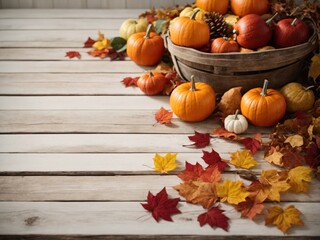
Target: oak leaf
299 179
164 164
314 69
249 208
129 81
200 140
163 116
215 218
89 43
230 101
161 206
73 54
232 192
243 159
213 159
283 218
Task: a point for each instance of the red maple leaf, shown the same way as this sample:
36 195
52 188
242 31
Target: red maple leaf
163 116
200 140
252 144
312 157
213 159
89 43
249 208
129 81
215 218
161 206
191 172
291 158
73 54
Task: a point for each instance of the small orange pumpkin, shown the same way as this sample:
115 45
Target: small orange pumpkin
193 102
220 6
189 32
263 107
244 7
152 83
145 48
224 45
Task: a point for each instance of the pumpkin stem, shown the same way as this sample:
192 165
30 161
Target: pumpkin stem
271 19
307 88
236 115
147 36
193 16
193 84
294 22
151 74
265 88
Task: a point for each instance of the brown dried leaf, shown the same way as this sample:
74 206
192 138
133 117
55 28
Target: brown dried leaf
230 101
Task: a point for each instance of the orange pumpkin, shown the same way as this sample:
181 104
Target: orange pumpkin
189 32
263 107
224 45
244 7
193 102
220 6
152 83
145 48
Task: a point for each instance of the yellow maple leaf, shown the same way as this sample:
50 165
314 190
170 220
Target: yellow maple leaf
276 181
314 70
300 178
103 44
232 192
283 218
166 163
243 159
295 140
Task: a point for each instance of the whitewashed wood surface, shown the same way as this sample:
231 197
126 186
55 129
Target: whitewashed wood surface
76 146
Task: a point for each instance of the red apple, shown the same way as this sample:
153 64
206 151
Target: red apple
252 32
290 32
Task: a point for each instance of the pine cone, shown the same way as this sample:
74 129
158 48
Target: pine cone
217 24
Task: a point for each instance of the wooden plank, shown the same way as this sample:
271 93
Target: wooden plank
105 143
66 84
102 164
90 220
70 13
109 188
84 102
102 121
68 66
47 54
61 24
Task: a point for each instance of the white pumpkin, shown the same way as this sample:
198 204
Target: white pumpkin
236 123
132 26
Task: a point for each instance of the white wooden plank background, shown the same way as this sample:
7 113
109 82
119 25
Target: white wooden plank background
70 131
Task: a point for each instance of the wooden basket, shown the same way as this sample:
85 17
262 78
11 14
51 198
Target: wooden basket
248 70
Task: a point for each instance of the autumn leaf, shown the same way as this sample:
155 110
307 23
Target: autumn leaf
299 179
129 81
163 68
291 158
295 140
232 192
283 218
222 132
314 69
73 54
275 182
191 172
163 116
200 140
230 101
99 53
249 208
275 157
165 164
252 144
89 43
101 44
258 191
215 218
243 159
198 192
213 159
161 206
212 174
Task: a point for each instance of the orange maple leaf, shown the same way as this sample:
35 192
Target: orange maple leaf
283 218
222 132
163 116
249 208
